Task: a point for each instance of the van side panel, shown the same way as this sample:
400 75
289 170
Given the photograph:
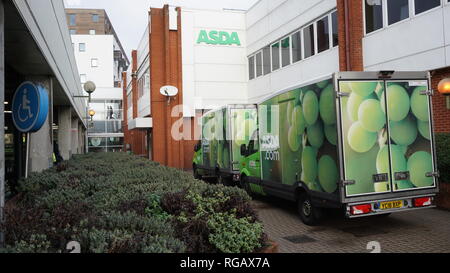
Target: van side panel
298 138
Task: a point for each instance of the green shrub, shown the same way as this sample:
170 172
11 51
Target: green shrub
443 156
118 203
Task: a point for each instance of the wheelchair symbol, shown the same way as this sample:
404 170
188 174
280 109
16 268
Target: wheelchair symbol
25 107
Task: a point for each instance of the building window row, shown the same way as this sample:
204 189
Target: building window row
144 84
382 13
106 144
73 19
316 37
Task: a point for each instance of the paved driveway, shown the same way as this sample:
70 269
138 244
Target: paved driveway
418 231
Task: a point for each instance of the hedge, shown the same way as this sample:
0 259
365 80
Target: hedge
118 203
443 154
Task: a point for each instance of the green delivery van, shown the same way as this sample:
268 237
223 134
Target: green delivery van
224 132
361 141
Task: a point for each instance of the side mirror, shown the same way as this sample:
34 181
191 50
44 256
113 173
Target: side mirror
243 150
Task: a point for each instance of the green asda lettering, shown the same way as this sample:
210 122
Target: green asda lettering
218 38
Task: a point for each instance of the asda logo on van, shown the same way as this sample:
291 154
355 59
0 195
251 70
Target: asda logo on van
215 37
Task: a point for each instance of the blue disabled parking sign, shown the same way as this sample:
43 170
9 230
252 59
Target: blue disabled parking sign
30 107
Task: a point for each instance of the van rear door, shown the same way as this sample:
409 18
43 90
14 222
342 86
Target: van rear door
386 134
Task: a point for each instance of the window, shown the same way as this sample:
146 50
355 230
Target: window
82 47
398 10
266 60
73 31
83 78
323 34
94 62
92 32
259 65
374 15
251 67
130 101
424 5
296 47
72 20
275 56
334 24
286 51
308 36
95 18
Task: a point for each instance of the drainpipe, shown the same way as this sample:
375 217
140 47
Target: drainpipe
347 35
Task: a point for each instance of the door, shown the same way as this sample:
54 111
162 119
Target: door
386 136
243 126
410 135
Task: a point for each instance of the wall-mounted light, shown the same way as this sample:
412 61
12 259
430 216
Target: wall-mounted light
89 87
92 114
444 89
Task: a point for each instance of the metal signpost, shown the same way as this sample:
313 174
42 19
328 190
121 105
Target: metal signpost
30 108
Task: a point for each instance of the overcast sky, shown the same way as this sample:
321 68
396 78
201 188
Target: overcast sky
129 16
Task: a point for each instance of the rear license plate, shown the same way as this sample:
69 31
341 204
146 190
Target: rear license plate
391 205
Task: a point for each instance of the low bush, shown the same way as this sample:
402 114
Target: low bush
443 156
117 203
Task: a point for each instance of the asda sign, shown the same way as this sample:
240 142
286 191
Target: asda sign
215 37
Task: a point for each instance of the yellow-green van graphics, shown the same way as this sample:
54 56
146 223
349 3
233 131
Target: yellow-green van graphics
299 137
382 122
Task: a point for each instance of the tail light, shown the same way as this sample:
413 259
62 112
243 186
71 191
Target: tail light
361 209
423 202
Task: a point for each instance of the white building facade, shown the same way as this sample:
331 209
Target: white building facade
95 59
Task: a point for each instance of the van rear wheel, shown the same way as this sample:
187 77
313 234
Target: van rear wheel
196 174
226 181
309 214
245 185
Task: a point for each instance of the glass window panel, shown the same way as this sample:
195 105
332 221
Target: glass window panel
251 67
97 142
374 15
99 116
398 10
286 52
259 65
115 141
266 60
115 104
308 36
95 18
334 22
97 150
296 47
82 47
72 19
275 56
323 34
114 127
424 5
99 127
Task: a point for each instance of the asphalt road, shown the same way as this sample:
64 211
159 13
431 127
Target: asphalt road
423 231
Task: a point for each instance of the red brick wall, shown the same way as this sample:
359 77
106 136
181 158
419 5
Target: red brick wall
165 69
441 113
127 136
351 54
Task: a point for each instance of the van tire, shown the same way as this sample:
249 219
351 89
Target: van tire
246 186
309 214
224 181
196 174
